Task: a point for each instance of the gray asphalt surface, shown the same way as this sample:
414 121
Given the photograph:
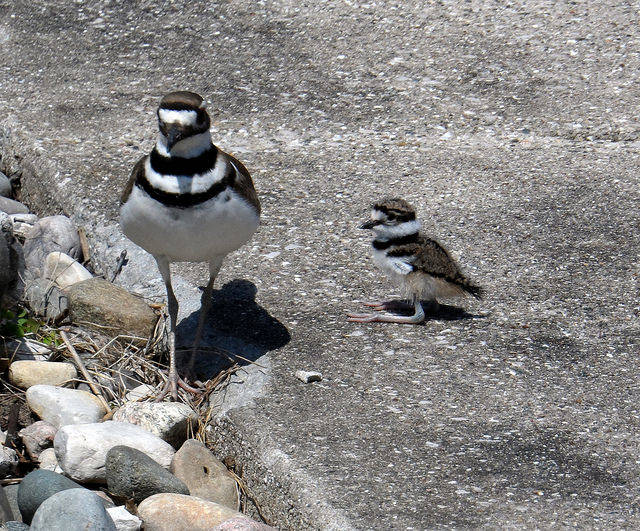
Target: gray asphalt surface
512 128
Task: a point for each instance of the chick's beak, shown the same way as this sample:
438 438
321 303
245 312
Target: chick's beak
368 225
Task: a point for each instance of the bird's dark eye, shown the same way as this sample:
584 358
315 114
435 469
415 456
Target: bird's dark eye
391 217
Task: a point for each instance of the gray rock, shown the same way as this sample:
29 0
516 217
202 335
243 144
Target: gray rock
49 461
61 406
9 206
82 449
168 420
112 308
37 437
6 514
8 462
242 524
123 519
64 270
72 510
22 224
14 526
205 475
53 233
27 373
5 186
11 492
36 487
45 298
133 475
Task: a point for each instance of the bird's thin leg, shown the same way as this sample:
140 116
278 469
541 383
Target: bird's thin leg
392 305
416 318
173 381
214 268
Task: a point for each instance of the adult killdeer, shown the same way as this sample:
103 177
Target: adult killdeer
419 265
188 201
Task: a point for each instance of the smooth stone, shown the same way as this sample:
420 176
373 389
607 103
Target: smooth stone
72 510
25 349
49 234
14 526
177 512
5 186
205 475
9 206
11 491
133 475
140 393
6 514
64 270
123 519
36 487
37 437
49 461
242 524
111 308
8 462
45 298
168 420
26 373
82 449
60 406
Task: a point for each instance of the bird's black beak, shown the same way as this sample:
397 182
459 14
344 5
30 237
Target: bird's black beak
369 224
174 135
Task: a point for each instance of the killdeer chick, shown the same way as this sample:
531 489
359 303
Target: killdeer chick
421 267
188 201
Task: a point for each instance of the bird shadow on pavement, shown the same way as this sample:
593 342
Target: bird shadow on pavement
237 329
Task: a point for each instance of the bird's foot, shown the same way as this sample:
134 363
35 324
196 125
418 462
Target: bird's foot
393 306
384 318
171 386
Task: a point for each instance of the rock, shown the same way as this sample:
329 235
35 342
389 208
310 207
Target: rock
242 524
177 512
26 373
168 420
6 514
5 186
10 258
71 510
64 270
123 519
45 298
37 437
8 462
49 461
11 492
107 502
14 526
22 224
61 406
24 349
309 376
111 307
36 487
133 475
205 475
9 206
82 449
53 233
140 393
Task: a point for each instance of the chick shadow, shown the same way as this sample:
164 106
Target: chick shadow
433 312
237 330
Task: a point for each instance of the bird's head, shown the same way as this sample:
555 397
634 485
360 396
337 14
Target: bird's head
391 218
182 116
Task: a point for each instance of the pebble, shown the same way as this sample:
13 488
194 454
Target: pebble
9 206
123 519
177 512
14 526
82 449
5 186
309 376
26 373
36 487
168 420
110 307
45 298
205 475
49 234
49 461
8 462
61 406
37 437
64 270
140 393
242 524
6 513
71 510
133 475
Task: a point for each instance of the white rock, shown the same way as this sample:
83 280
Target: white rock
140 393
168 420
309 376
49 461
22 224
26 373
82 449
8 461
60 406
124 520
64 270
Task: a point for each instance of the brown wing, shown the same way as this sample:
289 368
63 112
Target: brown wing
244 184
137 170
